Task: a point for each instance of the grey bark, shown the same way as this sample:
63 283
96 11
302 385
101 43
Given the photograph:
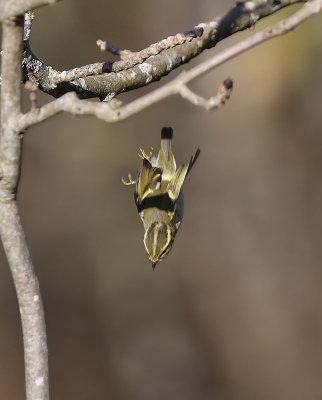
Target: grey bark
11 231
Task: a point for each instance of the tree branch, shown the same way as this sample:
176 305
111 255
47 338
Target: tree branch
129 61
11 8
133 71
222 95
12 235
105 111
106 80
30 302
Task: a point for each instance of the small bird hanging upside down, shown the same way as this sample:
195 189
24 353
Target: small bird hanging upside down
159 197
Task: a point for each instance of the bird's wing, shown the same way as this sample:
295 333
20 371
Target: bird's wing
175 184
193 160
149 180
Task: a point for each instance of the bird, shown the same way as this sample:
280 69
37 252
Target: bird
158 196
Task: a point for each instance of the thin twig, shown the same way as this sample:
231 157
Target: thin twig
32 95
11 231
106 46
222 95
104 111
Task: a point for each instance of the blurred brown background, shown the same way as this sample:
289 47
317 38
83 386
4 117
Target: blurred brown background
235 311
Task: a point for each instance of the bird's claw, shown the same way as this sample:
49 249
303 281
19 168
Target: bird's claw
129 182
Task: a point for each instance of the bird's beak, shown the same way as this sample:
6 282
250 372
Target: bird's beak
153 265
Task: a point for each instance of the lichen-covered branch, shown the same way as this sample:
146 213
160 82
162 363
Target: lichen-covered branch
126 62
12 235
13 8
105 111
106 80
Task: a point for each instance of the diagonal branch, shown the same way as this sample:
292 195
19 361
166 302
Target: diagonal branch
127 62
104 111
106 80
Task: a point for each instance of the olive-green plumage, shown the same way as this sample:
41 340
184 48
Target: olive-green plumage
159 197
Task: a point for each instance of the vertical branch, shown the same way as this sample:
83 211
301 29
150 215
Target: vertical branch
11 231
30 304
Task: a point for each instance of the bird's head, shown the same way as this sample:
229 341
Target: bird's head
158 240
